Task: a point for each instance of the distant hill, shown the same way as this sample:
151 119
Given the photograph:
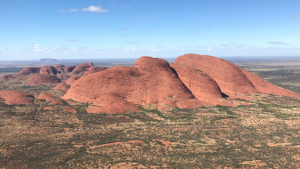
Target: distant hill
48 60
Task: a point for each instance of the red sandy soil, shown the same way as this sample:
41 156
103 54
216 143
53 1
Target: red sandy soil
72 80
67 109
84 74
50 98
135 141
59 67
48 70
112 104
48 108
62 86
266 87
228 76
42 79
28 70
15 97
7 77
150 81
62 76
68 68
80 68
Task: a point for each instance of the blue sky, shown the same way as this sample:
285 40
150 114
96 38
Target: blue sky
78 29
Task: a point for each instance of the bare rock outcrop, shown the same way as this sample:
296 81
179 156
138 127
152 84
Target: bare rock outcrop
12 97
62 86
150 81
48 70
80 68
72 79
228 76
28 70
42 79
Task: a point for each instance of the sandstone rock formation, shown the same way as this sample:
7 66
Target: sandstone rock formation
199 83
6 77
112 104
42 79
228 76
59 67
150 81
68 68
72 80
67 109
192 81
266 87
62 76
28 70
11 97
50 98
48 70
62 86
80 68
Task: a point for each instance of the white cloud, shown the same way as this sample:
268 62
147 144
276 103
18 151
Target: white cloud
73 10
112 4
155 50
95 9
278 43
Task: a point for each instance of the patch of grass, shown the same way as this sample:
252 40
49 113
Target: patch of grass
225 109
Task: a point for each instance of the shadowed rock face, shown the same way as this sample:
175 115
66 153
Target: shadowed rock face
28 70
68 68
11 97
199 83
6 77
59 67
228 76
48 70
42 79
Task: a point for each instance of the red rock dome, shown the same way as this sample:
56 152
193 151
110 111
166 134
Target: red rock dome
59 67
80 68
228 76
62 86
11 97
42 79
48 70
151 81
199 83
28 70
72 80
